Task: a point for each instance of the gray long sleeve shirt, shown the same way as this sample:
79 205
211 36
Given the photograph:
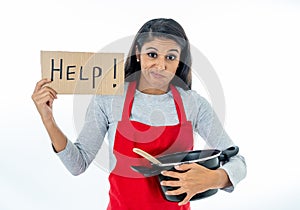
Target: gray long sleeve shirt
104 112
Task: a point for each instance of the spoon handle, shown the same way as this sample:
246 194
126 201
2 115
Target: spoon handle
146 155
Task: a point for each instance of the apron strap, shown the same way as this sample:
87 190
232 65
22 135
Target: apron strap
130 96
178 103
128 101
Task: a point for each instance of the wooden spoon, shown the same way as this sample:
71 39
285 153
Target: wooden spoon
146 155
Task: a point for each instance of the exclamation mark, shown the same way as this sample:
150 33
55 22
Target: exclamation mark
115 71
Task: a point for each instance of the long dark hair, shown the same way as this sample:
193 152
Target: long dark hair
161 28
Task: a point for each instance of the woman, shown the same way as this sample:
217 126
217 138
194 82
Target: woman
158 114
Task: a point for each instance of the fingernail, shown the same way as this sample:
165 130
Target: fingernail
163 172
177 167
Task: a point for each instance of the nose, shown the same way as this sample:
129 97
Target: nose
160 63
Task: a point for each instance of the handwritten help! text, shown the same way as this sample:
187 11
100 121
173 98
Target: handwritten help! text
84 73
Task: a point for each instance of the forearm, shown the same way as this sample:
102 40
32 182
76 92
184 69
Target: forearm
58 138
236 170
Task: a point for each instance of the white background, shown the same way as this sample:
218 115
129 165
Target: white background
254 47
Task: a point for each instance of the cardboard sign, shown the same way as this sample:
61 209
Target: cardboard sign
84 72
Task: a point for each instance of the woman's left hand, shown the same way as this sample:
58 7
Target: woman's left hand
195 179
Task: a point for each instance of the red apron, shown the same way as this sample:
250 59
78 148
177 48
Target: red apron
130 190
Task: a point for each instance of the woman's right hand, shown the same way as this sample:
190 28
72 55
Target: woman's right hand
43 98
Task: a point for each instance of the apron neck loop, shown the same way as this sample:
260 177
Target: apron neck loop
130 96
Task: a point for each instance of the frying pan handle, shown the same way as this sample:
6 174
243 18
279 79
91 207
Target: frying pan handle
228 153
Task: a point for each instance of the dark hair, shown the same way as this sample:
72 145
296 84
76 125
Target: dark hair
167 29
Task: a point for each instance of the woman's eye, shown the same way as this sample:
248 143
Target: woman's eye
171 57
152 55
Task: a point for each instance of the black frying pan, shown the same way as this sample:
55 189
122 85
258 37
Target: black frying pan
211 159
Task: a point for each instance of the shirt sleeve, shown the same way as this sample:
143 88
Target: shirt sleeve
77 156
209 127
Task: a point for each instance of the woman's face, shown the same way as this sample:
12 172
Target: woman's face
159 60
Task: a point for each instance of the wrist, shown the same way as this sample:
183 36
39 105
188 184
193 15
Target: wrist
222 179
48 122
58 139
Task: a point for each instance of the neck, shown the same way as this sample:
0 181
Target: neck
152 91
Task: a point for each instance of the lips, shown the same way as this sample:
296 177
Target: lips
157 75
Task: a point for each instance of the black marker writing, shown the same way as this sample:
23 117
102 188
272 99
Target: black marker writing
115 68
81 78
96 69
71 72
68 72
115 71
53 69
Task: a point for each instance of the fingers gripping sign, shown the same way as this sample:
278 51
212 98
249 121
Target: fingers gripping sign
192 179
43 98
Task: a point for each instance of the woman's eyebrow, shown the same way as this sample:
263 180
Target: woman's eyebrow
151 48
176 50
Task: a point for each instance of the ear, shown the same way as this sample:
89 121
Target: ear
137 53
